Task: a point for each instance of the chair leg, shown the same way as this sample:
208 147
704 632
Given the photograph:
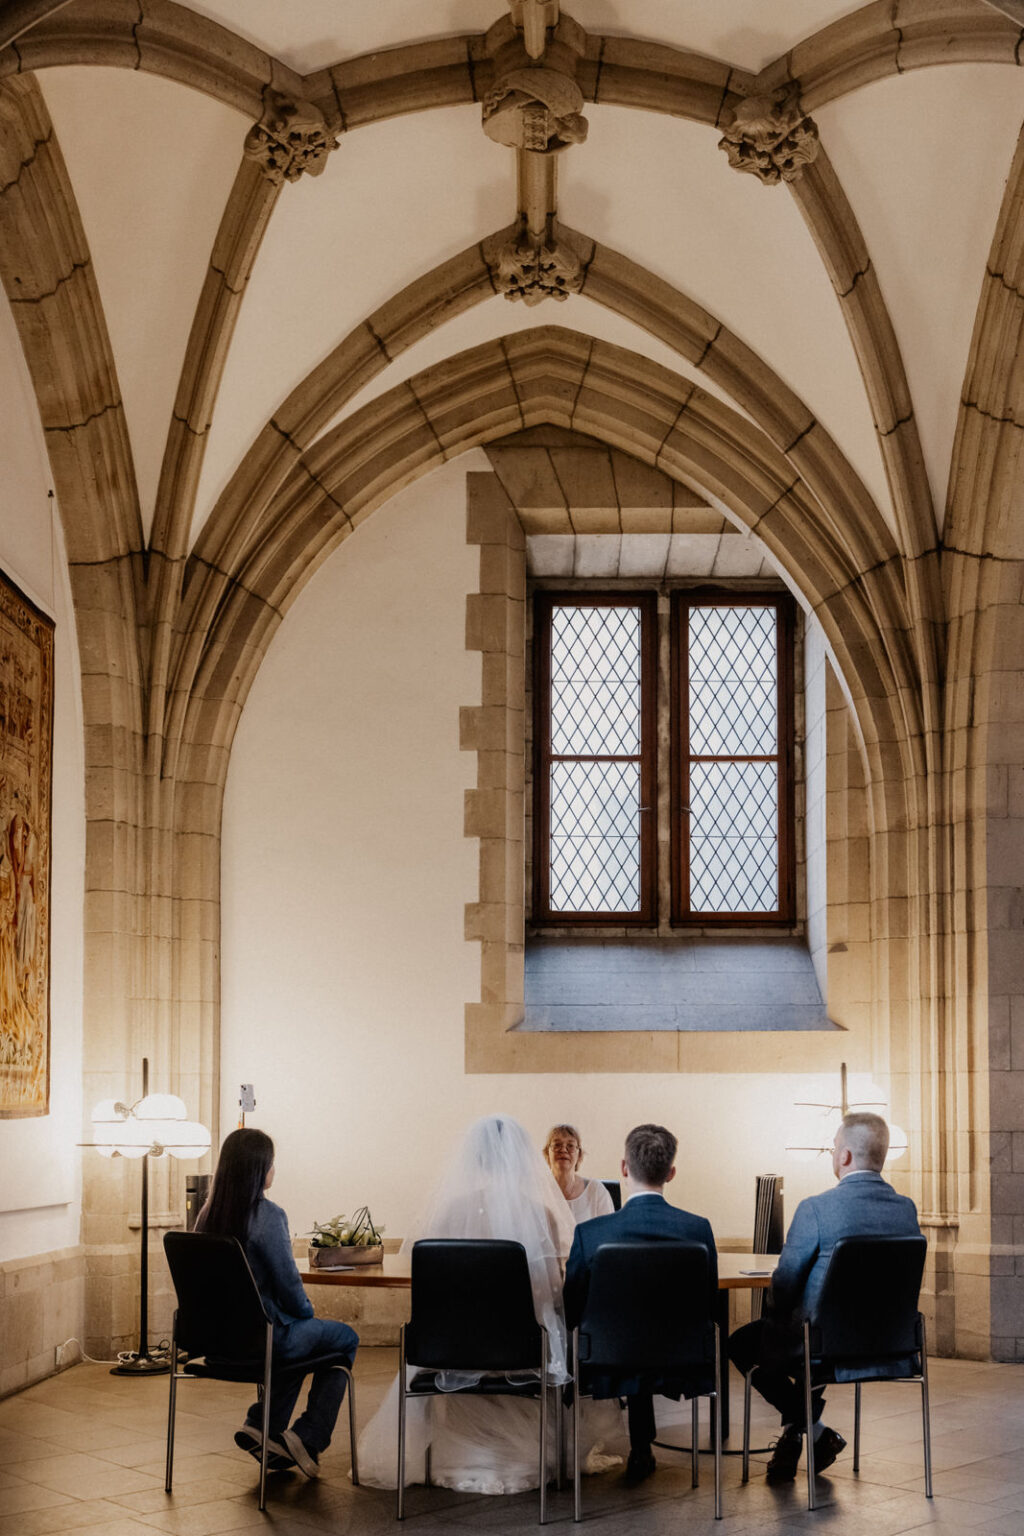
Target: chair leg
694 1438
856 1426
746 1427
926 1415
716 1422
172 1404
577 1503
351 1389
265 1451
559 1439
809 1427
544 1427
401 1426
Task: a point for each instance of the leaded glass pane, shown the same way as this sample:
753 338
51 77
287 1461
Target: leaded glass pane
595 837
733 682
595 681
734 857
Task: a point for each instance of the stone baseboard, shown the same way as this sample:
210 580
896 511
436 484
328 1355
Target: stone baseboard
42 1302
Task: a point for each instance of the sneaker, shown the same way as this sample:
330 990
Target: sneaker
826 1448
786 1456
640 1466
250 1439
305 1459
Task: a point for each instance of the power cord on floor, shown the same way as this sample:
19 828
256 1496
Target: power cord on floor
60 1348
161 1351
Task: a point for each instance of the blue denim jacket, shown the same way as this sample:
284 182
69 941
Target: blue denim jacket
269 1251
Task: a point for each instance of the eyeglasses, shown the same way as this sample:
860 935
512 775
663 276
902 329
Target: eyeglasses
564 1146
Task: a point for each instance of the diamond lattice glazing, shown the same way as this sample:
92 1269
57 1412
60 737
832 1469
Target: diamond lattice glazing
595 681
733 677
734 864
595 837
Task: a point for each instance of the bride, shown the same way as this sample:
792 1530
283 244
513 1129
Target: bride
498 1186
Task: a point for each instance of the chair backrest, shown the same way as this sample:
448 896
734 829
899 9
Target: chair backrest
220 1311
648 1308
867 1308
614 1188
472 1307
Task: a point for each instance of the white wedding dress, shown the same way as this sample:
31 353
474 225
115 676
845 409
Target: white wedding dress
499 1186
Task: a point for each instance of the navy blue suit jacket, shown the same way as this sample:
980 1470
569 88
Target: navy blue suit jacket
643 1219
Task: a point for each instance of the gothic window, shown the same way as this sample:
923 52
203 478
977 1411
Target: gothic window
726 749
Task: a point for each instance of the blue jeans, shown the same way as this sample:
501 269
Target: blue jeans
299 1340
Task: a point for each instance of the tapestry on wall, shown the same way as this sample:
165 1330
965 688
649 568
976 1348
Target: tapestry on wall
26 737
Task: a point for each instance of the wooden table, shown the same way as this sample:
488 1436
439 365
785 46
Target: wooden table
736 1272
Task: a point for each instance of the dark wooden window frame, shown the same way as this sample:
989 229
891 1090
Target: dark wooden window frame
682 602
647 602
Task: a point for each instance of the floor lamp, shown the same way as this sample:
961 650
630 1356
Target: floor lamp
817 1133
154 1125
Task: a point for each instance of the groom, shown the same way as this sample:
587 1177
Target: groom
646 1216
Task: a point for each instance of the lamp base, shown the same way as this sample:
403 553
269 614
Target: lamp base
142 1365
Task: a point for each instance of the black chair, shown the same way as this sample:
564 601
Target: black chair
650 1314
222 1329
867 1325
614 1188
472 1310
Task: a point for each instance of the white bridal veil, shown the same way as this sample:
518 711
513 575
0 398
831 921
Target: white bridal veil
499 1186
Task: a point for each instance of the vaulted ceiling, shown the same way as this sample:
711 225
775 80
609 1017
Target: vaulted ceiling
912 111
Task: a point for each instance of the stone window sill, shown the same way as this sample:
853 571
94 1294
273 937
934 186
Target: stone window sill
586 984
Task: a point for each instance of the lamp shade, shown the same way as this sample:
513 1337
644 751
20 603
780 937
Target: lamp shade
189 1139
161 1106
109 1111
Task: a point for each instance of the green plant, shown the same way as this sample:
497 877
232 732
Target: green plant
357 1231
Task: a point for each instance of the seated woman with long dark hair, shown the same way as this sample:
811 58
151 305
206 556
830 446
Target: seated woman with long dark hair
238 1207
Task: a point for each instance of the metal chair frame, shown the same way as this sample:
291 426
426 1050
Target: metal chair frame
196 1368
714 1400
407 1389
808 1357
926 1432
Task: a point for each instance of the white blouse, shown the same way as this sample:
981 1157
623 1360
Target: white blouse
594 1201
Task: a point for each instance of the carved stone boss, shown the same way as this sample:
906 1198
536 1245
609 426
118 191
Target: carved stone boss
533 271
535 109
770 137
290 138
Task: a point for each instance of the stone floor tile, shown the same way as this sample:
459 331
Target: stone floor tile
71 1515
978 1424
154 1500
85 1477
208 1519
15 1500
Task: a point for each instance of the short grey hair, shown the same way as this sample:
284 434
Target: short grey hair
867 1137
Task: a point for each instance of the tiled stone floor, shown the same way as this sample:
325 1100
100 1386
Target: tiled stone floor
85 1451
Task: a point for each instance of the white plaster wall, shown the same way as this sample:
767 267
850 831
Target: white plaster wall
345 873
40 1192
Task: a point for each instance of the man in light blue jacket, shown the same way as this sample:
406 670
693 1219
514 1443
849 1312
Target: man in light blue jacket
862 1204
